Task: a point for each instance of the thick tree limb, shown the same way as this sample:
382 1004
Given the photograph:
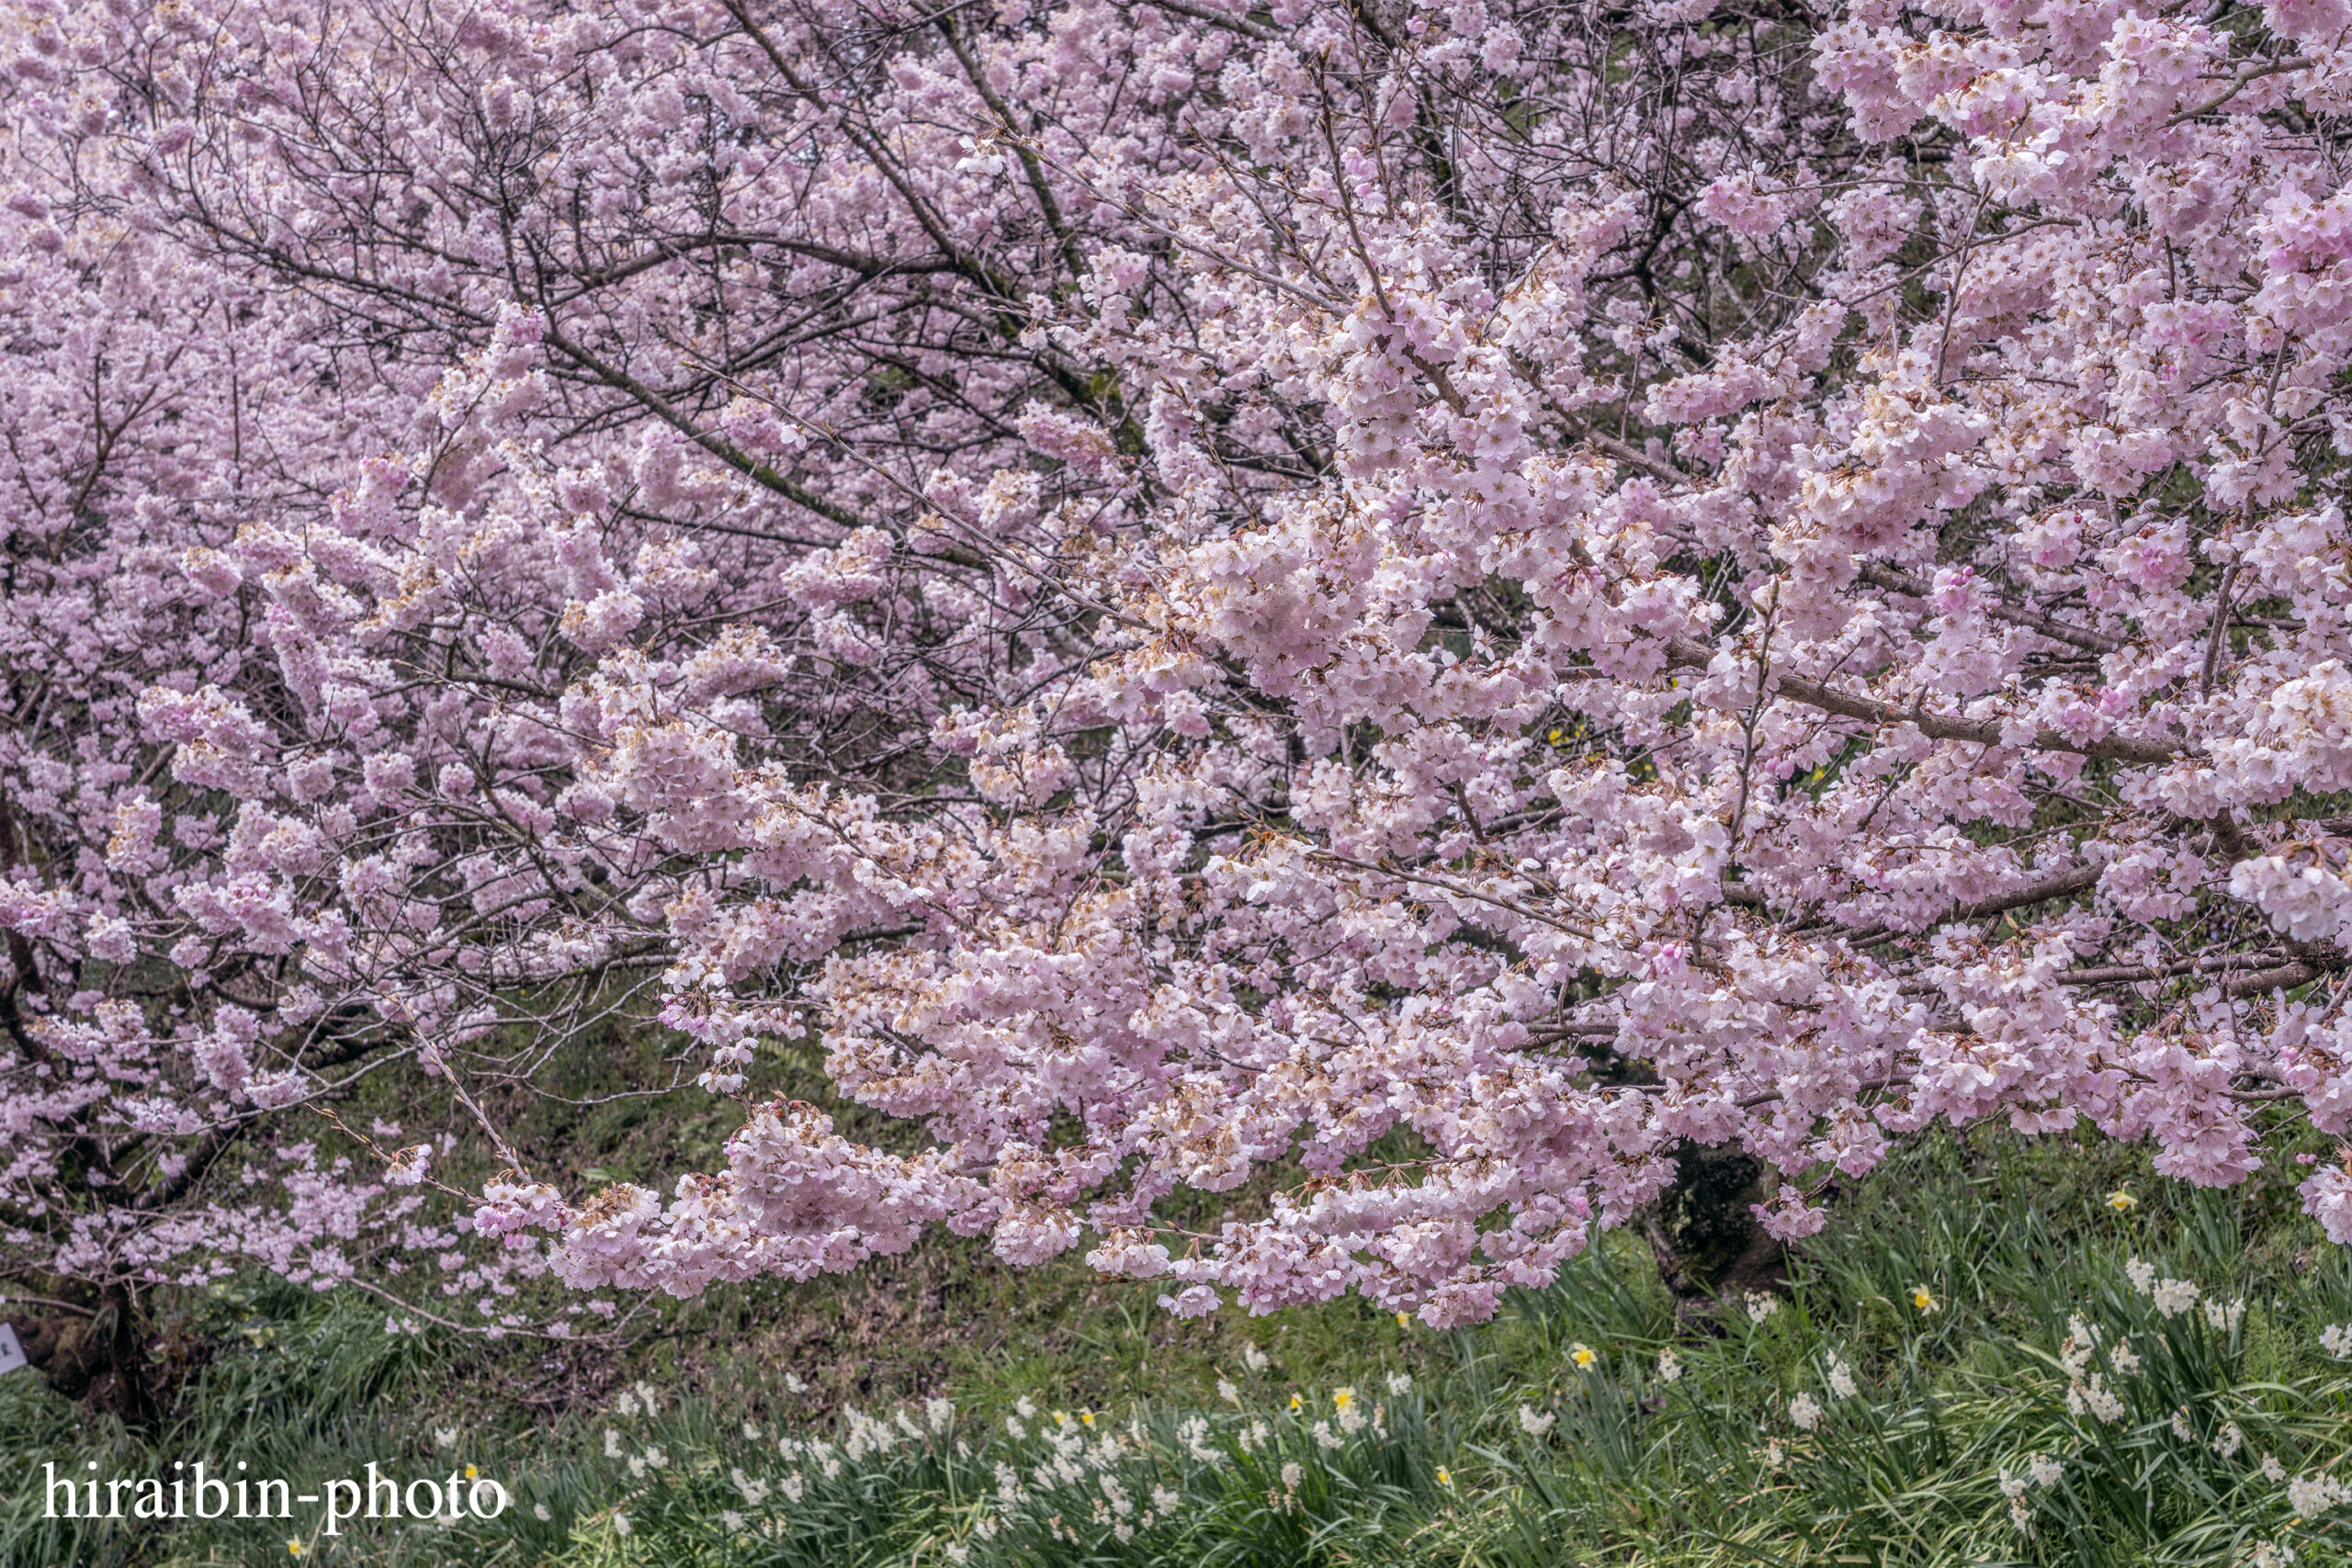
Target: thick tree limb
1685 654
1880 575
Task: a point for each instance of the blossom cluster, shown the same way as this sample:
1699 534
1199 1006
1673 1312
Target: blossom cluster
1426 603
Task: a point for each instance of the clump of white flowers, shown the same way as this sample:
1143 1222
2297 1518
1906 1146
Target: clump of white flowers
2172 1297
2311 1496
2020 1511
2091 1396
2087 1391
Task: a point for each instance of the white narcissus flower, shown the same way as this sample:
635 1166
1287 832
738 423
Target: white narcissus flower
2311 1496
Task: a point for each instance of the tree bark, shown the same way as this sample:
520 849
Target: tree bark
100 1361
1709 1247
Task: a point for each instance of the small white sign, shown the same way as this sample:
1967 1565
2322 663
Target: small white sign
12 1355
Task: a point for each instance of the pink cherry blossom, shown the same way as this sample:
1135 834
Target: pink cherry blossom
1439 604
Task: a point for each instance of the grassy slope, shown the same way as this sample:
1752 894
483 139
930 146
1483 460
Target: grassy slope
2010 1239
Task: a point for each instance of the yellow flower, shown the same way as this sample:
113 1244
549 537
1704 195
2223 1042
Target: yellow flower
472 1473
1343 1399
293 1548
1404 1320
2121 1201
1061 1418
1558 736
1581 1354
1922 1298
1295 1403
1444 1478
1087 1416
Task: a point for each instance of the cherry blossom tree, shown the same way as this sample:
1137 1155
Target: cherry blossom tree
1462 599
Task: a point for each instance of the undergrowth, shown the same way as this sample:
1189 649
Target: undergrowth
1999 1352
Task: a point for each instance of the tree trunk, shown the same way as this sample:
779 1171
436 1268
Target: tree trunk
1709 1247
99 1361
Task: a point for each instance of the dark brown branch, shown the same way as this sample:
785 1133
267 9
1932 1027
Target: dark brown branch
1685 654
1880 575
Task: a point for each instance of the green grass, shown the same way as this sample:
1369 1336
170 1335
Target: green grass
1497 1447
